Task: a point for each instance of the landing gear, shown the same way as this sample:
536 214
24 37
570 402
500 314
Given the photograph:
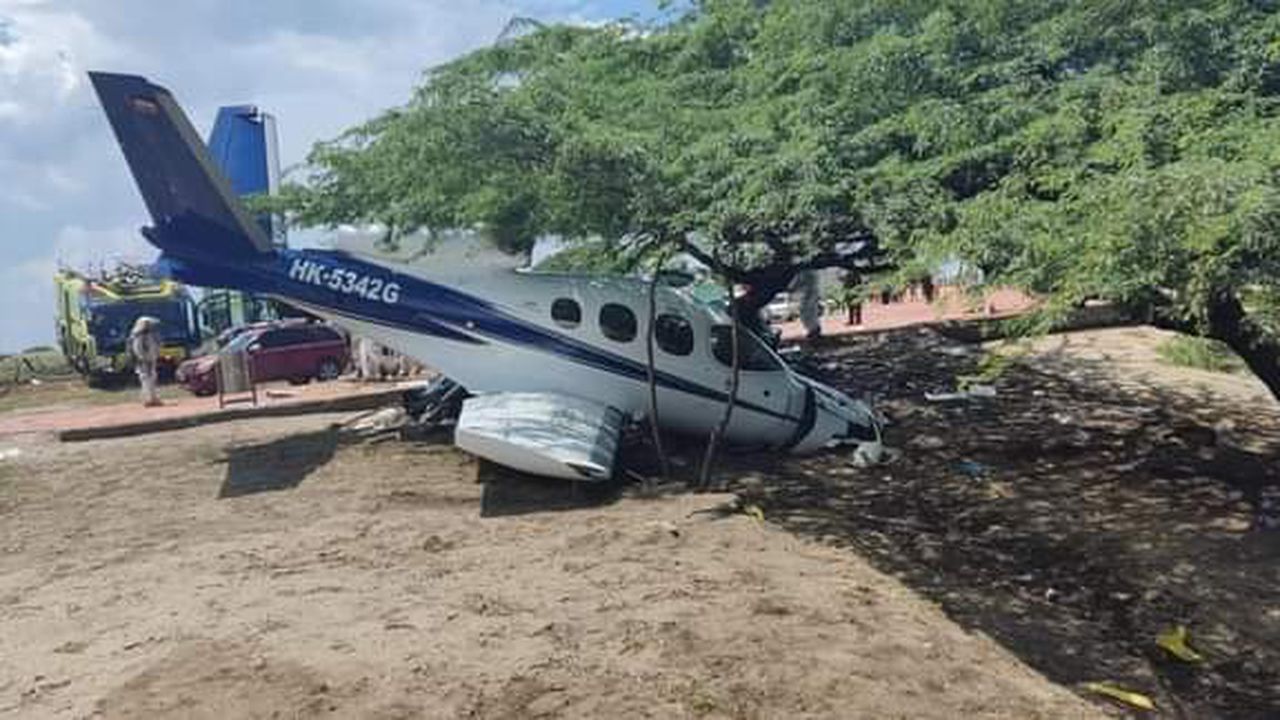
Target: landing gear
436 402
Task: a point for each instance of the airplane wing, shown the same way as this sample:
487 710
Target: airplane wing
549 434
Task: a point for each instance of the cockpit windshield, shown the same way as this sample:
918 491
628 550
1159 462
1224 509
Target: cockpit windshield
753 353
111 323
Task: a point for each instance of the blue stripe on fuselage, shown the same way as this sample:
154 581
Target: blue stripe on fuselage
421 306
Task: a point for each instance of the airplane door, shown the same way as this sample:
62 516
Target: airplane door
764 382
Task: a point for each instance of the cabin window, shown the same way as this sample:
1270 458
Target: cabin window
673 334
566 312
321 333
617 322
753 354
274 339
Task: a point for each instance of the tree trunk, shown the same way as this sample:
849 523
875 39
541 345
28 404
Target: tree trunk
763 288
708 460
664 466
1229 323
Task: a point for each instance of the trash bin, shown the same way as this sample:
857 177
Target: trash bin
235 377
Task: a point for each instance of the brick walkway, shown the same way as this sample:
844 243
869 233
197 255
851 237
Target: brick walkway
950 305
269 395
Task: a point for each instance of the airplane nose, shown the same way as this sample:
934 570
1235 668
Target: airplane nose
838 420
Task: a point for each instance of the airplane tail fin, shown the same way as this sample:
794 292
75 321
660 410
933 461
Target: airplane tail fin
193 207
243 143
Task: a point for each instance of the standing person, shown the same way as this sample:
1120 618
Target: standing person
144 346
363 352
853 297
806 285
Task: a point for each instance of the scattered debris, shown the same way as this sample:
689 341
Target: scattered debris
378 421
737 506
1174 641
1226 435
926 442
972 469
981 391
421 411
439 399
972 392
665 526
751 482
871 454
1268 515
1117 693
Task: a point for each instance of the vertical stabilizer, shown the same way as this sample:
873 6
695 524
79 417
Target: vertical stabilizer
192 204
244 144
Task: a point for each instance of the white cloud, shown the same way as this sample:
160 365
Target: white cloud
85 248
61 180
42 59
318 65
23 200
28 286
340 59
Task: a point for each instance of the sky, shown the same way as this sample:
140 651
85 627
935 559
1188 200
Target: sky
319 65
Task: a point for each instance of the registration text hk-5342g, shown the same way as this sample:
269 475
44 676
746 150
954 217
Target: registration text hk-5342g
344 281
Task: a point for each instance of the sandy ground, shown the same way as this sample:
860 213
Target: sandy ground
1101 498
70 404
270 568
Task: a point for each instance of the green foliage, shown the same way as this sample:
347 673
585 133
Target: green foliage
591 257
1128 151
1199 353
38 362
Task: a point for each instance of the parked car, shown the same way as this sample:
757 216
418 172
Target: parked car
783 308
286 351
235 331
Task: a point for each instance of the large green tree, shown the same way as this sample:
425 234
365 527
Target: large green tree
1082 149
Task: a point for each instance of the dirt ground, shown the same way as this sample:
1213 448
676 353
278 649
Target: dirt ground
271 568
72 392
277 568
1101 498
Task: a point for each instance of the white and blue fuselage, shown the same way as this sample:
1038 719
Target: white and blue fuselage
493 330
469 315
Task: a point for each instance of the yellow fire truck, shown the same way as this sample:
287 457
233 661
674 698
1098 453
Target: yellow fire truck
95 315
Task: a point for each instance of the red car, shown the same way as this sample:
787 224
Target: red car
289 351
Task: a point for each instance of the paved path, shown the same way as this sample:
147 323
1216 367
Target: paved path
271 395
949 306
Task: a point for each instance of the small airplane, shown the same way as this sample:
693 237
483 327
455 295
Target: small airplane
556 363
